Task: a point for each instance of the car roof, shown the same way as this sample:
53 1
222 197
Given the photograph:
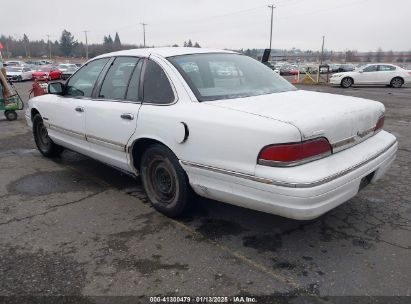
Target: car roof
163 51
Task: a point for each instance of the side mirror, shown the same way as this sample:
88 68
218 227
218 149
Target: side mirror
56 88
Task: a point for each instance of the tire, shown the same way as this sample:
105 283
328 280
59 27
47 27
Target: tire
346 82
43 142
10 115
19 79
165 181
396 82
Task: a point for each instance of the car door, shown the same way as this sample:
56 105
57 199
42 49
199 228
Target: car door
368 75
111 117
385 73
66 115
26 74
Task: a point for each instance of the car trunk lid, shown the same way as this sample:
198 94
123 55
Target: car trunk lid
336 117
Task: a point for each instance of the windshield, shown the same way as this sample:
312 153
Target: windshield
225 76
13 69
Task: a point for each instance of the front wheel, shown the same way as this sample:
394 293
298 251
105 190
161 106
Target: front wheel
346 82
19 79
43 142
165 181
396 82
10 115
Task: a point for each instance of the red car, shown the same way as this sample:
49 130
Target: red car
47 73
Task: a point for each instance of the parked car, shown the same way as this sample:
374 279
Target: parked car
68 72
47 73
62 67
346 68
251 139
373 74
334 67
18 73
14 63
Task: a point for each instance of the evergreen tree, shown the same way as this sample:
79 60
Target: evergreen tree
117 42
197 45
67 43
189 43
26 45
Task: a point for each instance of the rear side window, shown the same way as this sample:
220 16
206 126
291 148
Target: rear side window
157 88
82 83
371 68
117 78
386 68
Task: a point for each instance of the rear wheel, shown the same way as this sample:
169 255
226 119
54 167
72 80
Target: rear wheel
165 181
43 142
10 115
397 82
346 82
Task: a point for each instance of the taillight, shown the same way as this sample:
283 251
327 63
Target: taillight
380 124
284 155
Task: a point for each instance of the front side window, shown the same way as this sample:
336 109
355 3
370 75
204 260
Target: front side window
117 78
385 68
371 68
82 82
156 88
225 76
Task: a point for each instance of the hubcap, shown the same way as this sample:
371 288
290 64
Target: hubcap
161 180
347 82
397 82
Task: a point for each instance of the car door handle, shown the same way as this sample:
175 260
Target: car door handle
79 109
127 116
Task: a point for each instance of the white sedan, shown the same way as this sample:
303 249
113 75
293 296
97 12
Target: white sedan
247 138
373 74
18 73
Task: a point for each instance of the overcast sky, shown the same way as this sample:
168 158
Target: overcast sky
363 25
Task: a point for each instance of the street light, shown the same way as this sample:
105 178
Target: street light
144 32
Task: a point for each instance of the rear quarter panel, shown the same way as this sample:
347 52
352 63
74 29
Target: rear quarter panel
218 137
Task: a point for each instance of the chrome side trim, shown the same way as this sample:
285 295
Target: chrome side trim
106 143
66 131
289 184
93 139
353 140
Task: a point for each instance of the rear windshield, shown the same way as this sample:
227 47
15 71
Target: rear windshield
226 76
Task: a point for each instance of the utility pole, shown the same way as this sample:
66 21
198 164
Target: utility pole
85 33
322 53
48 39
144 32
272 7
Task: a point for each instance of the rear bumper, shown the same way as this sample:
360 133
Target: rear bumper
300 197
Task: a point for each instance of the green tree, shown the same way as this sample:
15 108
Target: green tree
26 43
197 45
67 43
117 42
189 43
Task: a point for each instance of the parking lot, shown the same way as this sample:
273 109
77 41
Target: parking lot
75 226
